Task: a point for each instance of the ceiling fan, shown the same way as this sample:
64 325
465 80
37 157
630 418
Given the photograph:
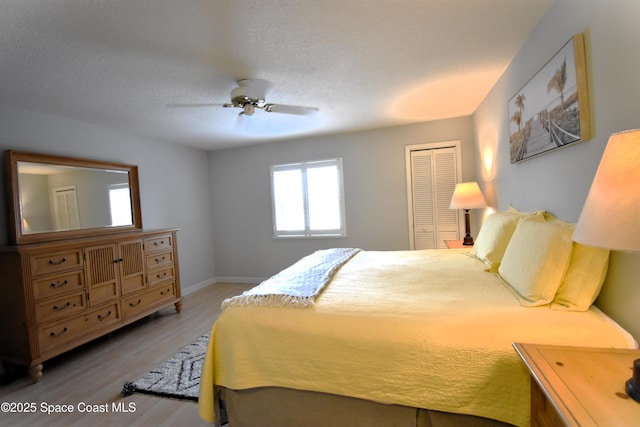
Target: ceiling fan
250 95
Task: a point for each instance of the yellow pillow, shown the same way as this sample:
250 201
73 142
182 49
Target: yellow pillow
512 209
537 259
583 281
493 238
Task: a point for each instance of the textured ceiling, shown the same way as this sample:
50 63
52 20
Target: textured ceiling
364 63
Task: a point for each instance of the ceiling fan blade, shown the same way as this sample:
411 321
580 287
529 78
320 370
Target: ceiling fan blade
195 105
290 109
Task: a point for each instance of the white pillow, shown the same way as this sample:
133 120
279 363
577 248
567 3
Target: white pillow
537 259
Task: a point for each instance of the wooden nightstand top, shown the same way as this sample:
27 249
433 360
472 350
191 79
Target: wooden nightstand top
456 244
585 385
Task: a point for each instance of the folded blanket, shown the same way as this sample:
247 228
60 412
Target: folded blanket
297 285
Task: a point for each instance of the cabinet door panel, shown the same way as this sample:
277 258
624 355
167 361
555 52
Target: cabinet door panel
132 266
102 273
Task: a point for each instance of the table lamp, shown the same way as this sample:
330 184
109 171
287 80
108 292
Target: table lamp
467 195
611 213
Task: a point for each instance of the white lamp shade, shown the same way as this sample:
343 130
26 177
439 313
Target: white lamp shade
611 214
467 195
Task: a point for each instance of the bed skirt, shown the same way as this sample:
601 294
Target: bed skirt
277 407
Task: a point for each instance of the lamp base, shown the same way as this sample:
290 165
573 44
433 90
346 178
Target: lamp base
468 240
632 386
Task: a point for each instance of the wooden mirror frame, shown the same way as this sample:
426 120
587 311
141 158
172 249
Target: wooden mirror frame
14 207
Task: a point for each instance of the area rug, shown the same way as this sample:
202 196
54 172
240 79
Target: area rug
178 377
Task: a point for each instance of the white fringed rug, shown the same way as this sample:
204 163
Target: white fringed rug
178 377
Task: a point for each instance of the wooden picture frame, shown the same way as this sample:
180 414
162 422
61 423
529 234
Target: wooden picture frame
552 110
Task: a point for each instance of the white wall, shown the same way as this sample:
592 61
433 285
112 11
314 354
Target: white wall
174 180
559 181
374 185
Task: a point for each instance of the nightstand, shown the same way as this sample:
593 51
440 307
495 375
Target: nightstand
579 386
456 244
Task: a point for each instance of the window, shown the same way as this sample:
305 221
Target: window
307 199
120 204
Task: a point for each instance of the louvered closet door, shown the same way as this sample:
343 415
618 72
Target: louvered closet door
424 216
434 177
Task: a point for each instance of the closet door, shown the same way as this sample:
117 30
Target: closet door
434 173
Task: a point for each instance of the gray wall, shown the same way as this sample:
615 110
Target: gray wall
174 180
559 181
374 185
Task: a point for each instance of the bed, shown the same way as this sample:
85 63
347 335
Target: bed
415 338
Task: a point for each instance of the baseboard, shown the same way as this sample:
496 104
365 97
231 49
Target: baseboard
234 279
196 287
210 282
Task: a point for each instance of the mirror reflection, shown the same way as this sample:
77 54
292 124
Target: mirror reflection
57 197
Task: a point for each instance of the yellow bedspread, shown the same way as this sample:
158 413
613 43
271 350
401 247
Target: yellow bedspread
428 329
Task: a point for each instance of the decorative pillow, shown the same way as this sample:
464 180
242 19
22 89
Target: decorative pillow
513 210
537 259
493 238
583 281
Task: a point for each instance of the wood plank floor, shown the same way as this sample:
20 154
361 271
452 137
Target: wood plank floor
95 373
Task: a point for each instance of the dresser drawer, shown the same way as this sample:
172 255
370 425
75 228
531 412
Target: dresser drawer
63 332
58 284
54 262
159 260
161 275
137 304
158 243
60 307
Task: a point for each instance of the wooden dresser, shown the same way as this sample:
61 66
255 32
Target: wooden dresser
55 296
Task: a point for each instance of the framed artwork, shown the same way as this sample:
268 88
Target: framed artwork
552 110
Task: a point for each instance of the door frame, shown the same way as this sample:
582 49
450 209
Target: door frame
457 144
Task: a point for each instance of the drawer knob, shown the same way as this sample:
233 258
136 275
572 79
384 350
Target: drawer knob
132 304
53 334
160 276
59 283
167 292
60 261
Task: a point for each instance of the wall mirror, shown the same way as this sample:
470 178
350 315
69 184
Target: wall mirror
55 197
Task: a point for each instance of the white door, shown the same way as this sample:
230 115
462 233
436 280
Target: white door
432 177
66 208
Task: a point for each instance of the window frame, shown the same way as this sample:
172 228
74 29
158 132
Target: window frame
308 232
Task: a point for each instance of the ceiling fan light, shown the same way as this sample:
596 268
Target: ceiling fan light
249 109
